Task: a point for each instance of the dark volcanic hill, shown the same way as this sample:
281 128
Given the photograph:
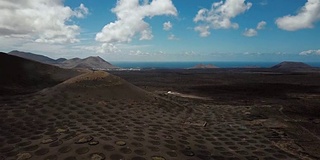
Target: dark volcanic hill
88 63
291 65
19 75
203 66
99 84
35 57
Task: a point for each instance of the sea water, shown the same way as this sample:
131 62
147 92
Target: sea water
185 65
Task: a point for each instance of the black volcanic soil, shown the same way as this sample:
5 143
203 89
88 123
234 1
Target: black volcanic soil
209 114
283 101
235 86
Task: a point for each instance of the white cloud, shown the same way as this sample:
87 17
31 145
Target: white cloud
138 53
167 26
146 34
250 32
263 2
52 50
220 15
41 20
310 52
146 53
172 37
203 30
261 25
305 18
191 53
104 48
130 20
108 48
252 53
81 11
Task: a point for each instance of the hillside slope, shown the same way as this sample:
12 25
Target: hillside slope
24 76
88 63
34 57
99 84
291 65
96 63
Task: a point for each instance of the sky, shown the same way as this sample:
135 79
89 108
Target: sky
164 30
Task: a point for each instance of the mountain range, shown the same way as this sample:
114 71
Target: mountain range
96 63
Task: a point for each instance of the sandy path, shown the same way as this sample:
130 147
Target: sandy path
186 95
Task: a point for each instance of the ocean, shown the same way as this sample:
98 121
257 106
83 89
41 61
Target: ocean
185 65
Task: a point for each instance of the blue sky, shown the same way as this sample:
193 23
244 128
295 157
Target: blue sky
164 30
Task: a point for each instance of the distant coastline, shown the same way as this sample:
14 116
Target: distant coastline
185 65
